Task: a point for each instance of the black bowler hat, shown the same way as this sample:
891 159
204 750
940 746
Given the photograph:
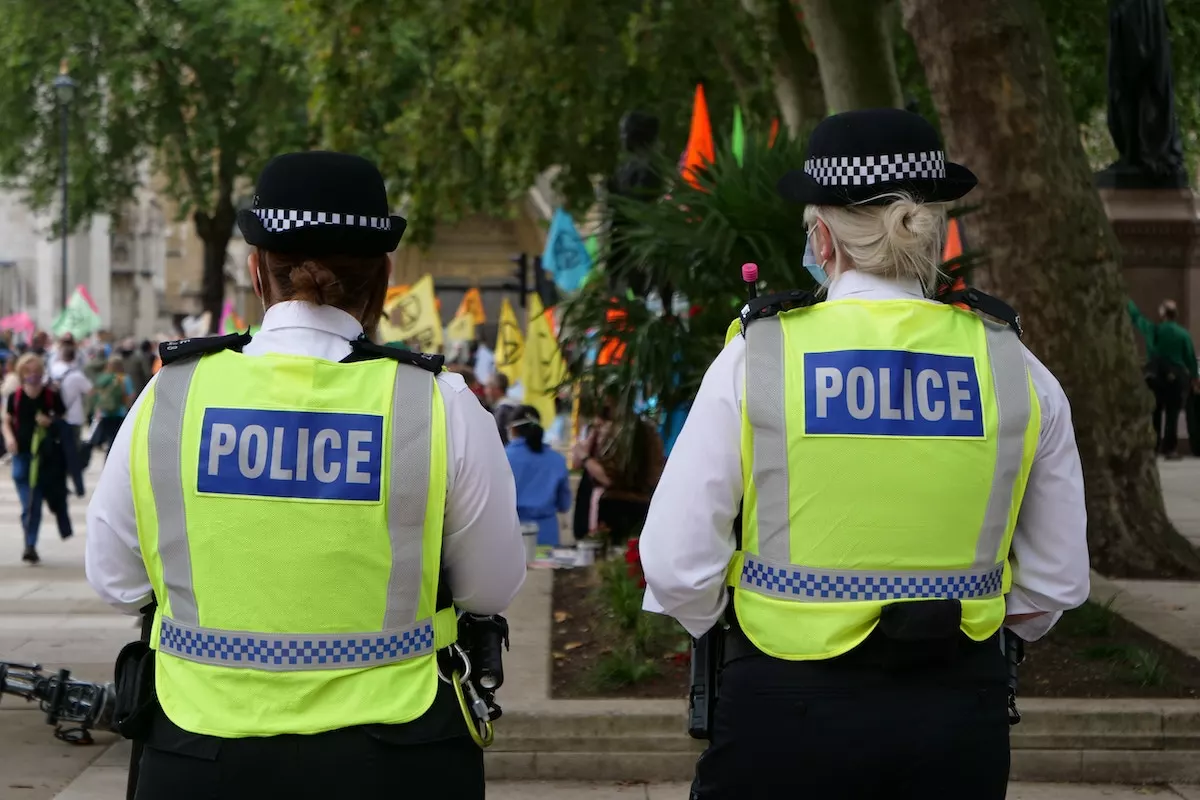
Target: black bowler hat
857 156
319 203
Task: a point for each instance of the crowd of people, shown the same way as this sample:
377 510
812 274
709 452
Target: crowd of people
62 400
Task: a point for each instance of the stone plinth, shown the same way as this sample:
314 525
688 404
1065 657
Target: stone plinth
1158 230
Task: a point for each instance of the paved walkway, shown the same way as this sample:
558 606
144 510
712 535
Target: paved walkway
1168 609
49 614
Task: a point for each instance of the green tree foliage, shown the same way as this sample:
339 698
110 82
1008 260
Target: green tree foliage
197 89
464 103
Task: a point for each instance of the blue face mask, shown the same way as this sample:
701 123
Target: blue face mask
811 264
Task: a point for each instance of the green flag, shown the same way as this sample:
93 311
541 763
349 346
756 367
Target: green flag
592 244
80 317
739 135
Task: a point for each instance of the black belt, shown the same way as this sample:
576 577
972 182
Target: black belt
880 653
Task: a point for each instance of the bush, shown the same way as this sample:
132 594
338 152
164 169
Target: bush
643 640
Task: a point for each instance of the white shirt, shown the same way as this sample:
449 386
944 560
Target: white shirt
485 364
482 551
74 386
688 540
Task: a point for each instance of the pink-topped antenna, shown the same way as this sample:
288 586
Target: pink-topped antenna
750 276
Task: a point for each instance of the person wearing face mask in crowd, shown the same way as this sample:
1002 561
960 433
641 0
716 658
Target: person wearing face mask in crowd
30 434
62 358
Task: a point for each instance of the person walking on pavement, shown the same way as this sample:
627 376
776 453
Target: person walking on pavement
308 509
75 389
881 482
38 468
1171 371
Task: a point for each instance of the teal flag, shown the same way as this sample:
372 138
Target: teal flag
566 256
739 135
80 318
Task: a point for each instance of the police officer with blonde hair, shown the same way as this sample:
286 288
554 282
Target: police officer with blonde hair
907 482
308 509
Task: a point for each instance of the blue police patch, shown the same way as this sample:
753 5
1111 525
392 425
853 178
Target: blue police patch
891 393
316 455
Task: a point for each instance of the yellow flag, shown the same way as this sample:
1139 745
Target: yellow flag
510 344
461 328
472 303
544 366
413 316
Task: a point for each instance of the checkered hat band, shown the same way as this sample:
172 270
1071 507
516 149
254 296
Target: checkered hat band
279 220
815 585
291 652
866 170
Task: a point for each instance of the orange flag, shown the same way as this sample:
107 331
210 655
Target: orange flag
472 303
700 150
954 249
774 132
612 349
393 292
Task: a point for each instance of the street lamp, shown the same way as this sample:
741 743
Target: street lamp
64 89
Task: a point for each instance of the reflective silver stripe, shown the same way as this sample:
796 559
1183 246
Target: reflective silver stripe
766 408
813 584
288 652
1010 380
166 481
412 429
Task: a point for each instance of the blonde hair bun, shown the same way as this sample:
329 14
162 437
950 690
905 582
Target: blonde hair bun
901 240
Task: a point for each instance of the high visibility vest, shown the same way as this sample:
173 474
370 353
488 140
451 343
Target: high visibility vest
289 512
886 446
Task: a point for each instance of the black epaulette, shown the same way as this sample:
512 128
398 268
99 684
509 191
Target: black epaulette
772 304
180 349
366 350
986 304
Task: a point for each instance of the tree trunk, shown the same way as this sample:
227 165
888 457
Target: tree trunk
854 48
1051 253
795 75
215 231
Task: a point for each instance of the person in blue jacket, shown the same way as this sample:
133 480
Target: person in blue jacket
543 484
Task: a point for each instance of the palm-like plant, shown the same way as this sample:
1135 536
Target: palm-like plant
693 241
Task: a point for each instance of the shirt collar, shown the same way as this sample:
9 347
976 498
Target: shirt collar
853 283
298 314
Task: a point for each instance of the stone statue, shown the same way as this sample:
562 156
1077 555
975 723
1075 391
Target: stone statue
1141 100
637 178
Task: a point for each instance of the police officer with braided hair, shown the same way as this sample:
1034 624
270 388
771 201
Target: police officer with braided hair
881 483
309 510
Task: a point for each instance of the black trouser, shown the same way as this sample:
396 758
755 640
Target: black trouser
854 728
1168 402
103 436
73 451
352 763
